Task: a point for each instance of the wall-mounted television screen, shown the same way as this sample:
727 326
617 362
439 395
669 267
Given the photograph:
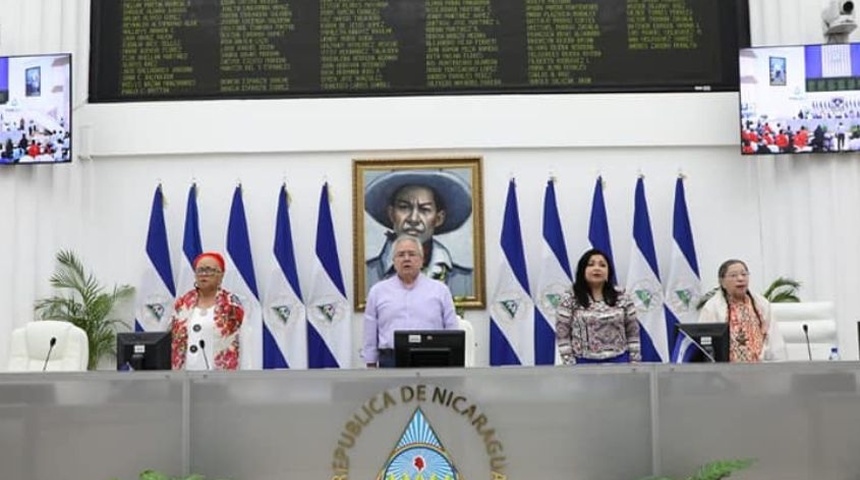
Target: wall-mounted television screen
35 109
800 99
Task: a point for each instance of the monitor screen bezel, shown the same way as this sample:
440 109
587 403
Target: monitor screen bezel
70 106
409 343
161 343
696 331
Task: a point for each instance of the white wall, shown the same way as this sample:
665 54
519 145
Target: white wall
786 216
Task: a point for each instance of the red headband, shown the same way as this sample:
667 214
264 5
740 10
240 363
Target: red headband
217 256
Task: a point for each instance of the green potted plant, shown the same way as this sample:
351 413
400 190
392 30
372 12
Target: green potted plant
84 302
716 470
782 290
156 475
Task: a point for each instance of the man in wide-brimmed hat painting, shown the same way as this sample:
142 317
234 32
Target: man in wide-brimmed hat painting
422 204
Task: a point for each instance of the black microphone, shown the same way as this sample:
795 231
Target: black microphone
48 356
698 347
203 351
806 334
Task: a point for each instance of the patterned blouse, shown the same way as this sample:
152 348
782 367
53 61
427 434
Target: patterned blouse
747 336
228 319
599 332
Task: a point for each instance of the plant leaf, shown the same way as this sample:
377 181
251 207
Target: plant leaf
720 469
782 290
153 475
85 303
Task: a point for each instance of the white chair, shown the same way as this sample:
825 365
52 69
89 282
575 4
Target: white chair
820 319
31 343
466 326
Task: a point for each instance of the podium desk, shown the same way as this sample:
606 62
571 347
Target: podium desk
799 420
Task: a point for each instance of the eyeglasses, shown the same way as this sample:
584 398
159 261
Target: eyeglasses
738 275
206 271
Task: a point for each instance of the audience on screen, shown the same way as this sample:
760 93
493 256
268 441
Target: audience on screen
25 141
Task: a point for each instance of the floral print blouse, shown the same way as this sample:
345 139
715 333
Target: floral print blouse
747 335
228 320
599 332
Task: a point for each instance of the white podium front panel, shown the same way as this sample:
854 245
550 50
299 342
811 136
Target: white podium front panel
516 422
89 426
799 420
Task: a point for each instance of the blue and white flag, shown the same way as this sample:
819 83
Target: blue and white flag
598 227
242 281
154 305
512 311
191 244
329 313
684 284
643 284
554 280
284 316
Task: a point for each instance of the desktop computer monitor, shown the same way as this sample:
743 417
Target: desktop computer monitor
711 341
429 348
143 351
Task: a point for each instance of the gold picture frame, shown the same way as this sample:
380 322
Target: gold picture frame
455 240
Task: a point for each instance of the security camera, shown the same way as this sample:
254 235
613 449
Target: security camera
838 20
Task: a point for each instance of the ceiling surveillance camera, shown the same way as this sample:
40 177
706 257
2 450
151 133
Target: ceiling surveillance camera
838 20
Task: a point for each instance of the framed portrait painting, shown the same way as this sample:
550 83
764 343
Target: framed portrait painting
33 82
439 201
777 71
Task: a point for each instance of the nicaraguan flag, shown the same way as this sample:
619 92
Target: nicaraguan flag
284 316
244 285
191 244
598 226
643 284
684 285
154 306
554 280
512 312
329 329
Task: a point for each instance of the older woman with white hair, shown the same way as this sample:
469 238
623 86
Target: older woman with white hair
754 336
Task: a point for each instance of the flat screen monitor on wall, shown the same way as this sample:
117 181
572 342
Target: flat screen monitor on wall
35 109
800 99
429 348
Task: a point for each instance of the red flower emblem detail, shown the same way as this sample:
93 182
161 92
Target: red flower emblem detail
419 463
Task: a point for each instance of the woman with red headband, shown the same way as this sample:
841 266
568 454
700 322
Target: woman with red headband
206 324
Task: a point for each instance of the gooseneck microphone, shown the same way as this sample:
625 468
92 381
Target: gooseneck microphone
48 356
806 334
203 351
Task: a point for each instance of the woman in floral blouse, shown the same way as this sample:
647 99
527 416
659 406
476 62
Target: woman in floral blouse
596 321
753 333
206 322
